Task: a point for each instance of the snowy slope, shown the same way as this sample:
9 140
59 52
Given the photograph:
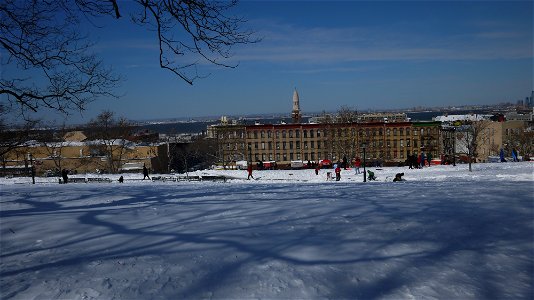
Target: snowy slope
445 233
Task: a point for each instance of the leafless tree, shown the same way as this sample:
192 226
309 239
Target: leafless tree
346 141
200 151
110 138
14 137
339 136
49 64
210 34
347 115
230 144
521 139
469 136
54 143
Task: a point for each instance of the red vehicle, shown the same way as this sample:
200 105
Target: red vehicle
269 165
325 163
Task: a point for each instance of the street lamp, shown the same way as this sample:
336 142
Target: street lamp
364 162
454 146
451 130
32 169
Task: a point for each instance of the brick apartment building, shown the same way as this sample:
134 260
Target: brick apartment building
389 141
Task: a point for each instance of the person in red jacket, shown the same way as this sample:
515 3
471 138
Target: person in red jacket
357 165
249 169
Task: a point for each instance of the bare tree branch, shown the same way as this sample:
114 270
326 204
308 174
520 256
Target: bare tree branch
42 40
51 64
209 33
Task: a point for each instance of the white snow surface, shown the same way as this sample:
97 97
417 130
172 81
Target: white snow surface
444 233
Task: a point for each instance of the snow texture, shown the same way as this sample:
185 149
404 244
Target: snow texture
445 233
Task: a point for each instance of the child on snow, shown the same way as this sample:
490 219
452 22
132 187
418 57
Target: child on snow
398 177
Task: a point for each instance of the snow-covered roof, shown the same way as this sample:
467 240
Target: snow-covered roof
116 142
469 117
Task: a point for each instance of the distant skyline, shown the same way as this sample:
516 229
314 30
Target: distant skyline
364 55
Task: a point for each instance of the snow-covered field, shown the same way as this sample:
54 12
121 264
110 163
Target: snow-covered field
445 233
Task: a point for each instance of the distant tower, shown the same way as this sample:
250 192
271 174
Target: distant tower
295 113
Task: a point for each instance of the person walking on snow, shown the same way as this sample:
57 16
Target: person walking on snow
514 155
65 175
357 165
145 172
249 169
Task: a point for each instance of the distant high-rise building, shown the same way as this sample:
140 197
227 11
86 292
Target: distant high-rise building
295 113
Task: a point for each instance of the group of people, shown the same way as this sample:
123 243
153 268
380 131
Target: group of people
415 161
357 163
515 155
65 175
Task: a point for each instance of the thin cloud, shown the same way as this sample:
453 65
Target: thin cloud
288 43
501 35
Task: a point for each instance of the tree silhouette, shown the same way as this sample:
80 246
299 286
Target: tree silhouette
48 63
110 138
49 60
469 137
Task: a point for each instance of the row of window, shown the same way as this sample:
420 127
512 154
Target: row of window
321 144
289 133
313 156
340 132
324 144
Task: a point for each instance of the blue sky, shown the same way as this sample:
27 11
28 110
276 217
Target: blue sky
365 55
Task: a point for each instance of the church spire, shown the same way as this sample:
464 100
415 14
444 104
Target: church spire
295 113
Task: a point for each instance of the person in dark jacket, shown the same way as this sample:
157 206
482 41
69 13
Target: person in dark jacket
501 155
121 179
398 177
65 175
145 173
338 173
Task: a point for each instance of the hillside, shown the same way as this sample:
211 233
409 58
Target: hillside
444 233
